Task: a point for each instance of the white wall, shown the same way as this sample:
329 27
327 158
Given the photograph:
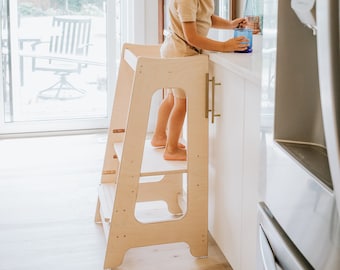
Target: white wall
151 22
146 21
240 7
145 29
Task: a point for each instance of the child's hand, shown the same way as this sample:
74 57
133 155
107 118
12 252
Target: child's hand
239 23
240 43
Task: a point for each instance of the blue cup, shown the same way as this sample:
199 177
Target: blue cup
248 33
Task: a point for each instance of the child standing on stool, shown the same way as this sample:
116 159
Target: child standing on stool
190 21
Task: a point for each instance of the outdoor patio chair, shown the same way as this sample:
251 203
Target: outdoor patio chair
68 46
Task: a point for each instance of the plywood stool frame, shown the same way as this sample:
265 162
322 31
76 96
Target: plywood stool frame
129 157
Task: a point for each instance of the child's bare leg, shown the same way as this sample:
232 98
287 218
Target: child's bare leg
172 150
159 137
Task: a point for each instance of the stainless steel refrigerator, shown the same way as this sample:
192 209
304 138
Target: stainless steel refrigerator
300 175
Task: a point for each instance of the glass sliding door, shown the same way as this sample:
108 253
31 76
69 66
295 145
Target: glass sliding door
54 64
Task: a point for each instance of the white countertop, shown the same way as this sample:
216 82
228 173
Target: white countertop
247 65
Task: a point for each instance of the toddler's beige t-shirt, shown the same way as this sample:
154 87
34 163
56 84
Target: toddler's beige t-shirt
199 11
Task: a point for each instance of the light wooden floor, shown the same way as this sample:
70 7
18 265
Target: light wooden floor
48 194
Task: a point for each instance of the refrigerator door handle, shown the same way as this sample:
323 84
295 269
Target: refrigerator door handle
267 255
286 255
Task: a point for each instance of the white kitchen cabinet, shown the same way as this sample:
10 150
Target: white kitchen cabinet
234 140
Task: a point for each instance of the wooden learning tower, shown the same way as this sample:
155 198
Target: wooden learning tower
135 172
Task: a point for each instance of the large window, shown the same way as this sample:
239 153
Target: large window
57 73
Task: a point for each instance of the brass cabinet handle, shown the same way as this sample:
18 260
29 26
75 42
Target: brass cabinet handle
212 110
